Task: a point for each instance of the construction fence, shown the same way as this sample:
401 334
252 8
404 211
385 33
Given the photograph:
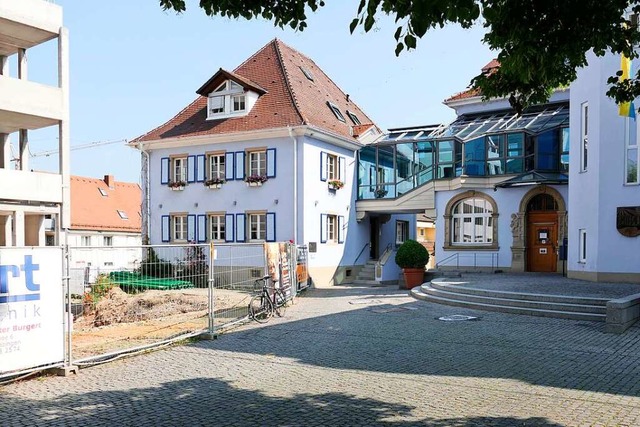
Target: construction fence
63 306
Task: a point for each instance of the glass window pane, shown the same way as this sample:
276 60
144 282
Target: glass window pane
445 151
515 144
632 166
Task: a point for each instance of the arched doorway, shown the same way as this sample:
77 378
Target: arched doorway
541 206
542 233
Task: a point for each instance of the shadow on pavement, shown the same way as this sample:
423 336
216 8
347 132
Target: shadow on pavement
206 401
407 338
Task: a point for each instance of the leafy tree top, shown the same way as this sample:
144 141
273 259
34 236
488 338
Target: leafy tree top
540 44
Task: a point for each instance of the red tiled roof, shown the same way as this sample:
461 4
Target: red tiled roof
360 129
470 93
90 210
291 99
222 75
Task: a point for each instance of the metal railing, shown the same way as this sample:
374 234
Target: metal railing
366 245
383 260
471 260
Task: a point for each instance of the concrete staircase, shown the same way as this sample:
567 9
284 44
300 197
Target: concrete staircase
367 275
449 292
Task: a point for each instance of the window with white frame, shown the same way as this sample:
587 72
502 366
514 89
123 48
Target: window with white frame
402 232
336 111
257 163
257 226
584 136
333 171
85 240
353 117
582 245
217 166
472 222
179 227
332 228
632 152
179 169
217 227
229 97
107 240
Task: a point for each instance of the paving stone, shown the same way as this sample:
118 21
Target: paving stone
333 363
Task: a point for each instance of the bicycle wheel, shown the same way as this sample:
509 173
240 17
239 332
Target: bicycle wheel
281 303
260 309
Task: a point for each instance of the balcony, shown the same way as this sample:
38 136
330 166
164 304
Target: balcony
33 186
28 105
27 23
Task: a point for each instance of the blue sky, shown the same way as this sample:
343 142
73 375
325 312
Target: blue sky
133 66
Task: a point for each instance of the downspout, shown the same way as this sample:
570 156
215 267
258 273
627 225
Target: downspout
295 186
147 197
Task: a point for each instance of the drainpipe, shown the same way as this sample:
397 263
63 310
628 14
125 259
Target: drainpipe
295 186
147 197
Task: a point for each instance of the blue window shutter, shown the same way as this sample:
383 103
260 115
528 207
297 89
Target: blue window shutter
323 166
271 163
166 233
341 229
201 171
271 227
164 170
342 169
191 168
241 228
202 228
239 168
191 228
323 228
228 227
229 163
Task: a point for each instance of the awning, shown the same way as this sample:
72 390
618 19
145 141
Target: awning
534 178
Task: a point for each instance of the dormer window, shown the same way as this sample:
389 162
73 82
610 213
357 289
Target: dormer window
228 98
354 118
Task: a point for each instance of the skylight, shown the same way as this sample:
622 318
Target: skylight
336 111
103 192
307 73
354 118
123 215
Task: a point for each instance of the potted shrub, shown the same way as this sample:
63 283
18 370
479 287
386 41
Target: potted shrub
214 182
255 180
335 184
412 257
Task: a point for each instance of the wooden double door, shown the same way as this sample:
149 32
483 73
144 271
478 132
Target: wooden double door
542 241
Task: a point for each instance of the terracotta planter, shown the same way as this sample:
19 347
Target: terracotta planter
413 277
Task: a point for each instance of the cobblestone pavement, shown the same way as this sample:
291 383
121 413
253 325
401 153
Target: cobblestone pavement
357 357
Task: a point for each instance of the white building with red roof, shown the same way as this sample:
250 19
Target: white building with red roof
267 152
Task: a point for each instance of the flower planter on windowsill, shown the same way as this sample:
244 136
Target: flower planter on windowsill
214 186
254 184
179 188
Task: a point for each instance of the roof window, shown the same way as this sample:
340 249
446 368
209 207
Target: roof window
307 73
354 118
123 215
336 111
103 192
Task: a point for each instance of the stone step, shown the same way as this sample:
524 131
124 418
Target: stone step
565 305
419 294
366 282
458 288
365 277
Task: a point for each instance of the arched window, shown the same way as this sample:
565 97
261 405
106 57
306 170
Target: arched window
542 202
472 222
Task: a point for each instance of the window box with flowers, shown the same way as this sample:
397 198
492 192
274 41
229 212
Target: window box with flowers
335 184
255 180
214 183
177 185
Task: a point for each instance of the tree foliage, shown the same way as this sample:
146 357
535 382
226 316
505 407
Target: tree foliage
540 44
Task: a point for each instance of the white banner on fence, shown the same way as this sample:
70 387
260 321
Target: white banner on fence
31 308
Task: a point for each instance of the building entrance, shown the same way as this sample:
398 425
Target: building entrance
542 234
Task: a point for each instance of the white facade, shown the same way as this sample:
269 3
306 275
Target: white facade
24 106
296 199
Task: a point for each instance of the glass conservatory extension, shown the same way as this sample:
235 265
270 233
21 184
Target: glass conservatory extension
479 145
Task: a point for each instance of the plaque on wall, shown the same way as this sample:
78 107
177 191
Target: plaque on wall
628 221
312 247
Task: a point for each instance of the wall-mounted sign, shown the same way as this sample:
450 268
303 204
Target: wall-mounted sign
312 247
628 221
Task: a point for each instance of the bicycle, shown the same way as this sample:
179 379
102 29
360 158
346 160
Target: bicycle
265 304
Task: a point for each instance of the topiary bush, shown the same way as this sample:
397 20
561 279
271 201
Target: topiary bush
412 254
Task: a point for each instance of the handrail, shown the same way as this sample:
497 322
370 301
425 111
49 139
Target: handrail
495 259
383 258
361 251
444 261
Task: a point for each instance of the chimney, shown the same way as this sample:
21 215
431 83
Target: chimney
111 183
